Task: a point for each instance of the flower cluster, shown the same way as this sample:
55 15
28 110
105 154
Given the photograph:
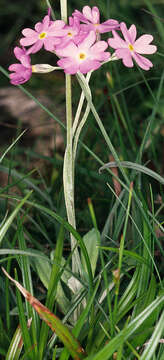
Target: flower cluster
79 46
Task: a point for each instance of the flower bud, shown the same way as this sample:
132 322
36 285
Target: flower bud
43 68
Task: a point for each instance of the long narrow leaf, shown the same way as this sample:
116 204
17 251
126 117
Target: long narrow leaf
10 219
10 147
53 322
16 344
124 334
134 166
152 344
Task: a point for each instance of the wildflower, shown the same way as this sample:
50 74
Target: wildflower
23 71
91 18
130 48
83 57
45 34
73 33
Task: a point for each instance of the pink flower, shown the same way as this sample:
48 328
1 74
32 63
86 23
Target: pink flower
84 57
23 71
91 17
130 48
73 33
45 34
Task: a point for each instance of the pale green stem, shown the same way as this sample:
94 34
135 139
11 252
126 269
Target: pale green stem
68 167
63 7
68 176
78 131
80 105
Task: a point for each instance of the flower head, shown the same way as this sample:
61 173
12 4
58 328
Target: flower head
73 33
46 34
130 48
83 57
91 18
23 71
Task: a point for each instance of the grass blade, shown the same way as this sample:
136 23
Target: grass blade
16 344
124 334
153 342
134 166
10 219
53 322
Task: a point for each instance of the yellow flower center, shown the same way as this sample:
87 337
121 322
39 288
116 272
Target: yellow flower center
131 48
69 34
42 35
82 56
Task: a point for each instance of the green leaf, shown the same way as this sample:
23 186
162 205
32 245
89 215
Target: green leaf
28 182
43 268
124 334
53 322
133 166
16 344
154 340
10 219
70 228
29 252
128 296
91 243
141 335
10 147
52 274
27 340
127 253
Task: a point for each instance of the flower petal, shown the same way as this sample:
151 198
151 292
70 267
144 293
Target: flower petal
99 47
117 42
80 16
143 62
20 75
49 43
46 22
87 13
26 61
35 48
18 52
95 15
89 40
68 66
89 65
16 67
142 45
108 25
133 33
28 32
126 57
57 24
29 40
125 32
70 50
39 27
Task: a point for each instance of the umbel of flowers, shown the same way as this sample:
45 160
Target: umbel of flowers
79 45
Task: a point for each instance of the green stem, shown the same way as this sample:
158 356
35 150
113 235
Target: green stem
63 7
80 105
68 177
78 131
68 167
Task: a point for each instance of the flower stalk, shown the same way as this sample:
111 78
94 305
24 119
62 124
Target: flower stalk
68 176
68 167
